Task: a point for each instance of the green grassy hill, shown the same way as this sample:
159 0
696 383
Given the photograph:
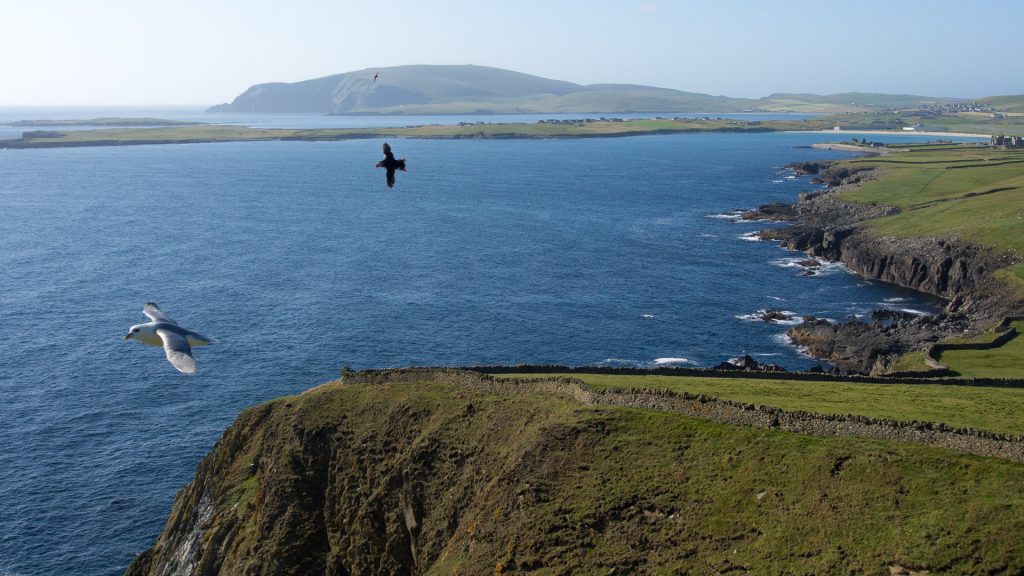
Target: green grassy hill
984 408
973 192
860 100
1005 103
467 89
429 478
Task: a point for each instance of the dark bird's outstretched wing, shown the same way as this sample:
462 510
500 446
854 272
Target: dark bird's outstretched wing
387 152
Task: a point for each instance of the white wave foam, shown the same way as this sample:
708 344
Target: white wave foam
750 236
733 216
777 181
790 262
896 299
671 361
647 315
777 299
791 177
821 268
834 267
785 340
913 311
618 362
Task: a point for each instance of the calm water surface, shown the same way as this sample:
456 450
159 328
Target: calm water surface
299 260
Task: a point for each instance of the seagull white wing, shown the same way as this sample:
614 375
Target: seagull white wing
178 352
155 313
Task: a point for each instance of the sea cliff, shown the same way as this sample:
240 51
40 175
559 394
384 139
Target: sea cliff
449 472
960 272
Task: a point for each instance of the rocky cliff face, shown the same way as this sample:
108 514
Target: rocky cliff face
450 474
397 479
948 268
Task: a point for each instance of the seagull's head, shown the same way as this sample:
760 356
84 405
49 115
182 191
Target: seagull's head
143 333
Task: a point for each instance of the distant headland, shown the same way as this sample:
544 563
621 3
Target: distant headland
468 89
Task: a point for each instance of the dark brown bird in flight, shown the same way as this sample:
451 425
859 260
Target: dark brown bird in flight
375 76
391 164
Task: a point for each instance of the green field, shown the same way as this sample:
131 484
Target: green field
1013 104
985 408
1001 362
973 192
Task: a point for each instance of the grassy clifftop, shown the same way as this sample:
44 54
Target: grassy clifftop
424 477
971 192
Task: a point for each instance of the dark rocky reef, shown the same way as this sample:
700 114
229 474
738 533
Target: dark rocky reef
865 348
748 363
804 168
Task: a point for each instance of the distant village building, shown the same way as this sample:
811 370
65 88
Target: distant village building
1007 141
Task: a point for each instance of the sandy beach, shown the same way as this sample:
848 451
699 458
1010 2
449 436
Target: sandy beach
850 148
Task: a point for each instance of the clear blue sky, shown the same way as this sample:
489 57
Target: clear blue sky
65 52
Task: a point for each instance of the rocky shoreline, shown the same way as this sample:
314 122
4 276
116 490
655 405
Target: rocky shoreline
827 228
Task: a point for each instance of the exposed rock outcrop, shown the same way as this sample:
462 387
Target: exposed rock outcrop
862 348
948 268
748 363
804 168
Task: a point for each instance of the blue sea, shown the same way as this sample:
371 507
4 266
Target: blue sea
299 260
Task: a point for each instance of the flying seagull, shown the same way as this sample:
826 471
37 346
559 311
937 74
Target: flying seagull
163 331
391 164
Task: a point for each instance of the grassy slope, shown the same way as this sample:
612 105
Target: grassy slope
973 192
1002 362
459 89
993 409
538 484
1006 103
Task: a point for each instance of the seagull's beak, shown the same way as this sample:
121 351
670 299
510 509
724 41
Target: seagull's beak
128 336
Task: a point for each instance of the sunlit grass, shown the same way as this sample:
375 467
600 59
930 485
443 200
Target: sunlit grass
1006 361
987 408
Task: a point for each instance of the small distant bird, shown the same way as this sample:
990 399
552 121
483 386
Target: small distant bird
163 331
375 76
391 164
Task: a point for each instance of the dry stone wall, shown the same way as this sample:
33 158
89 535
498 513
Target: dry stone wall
968 440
